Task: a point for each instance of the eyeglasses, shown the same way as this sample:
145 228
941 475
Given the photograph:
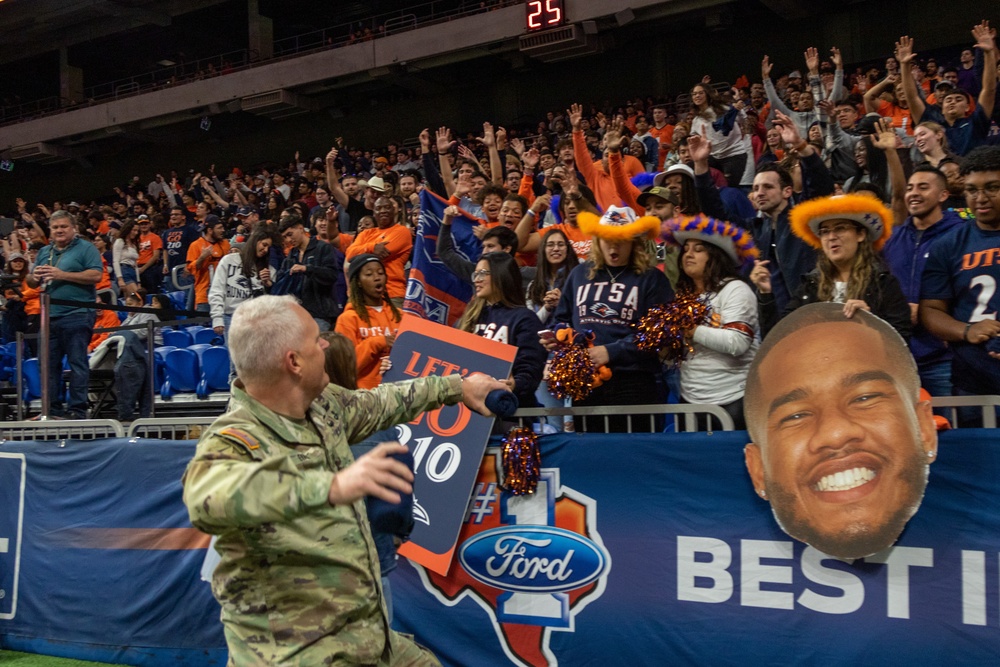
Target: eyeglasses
476 275
990 190
836 230
555 245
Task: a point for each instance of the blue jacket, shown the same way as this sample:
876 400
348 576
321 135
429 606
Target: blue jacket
906 253
518 327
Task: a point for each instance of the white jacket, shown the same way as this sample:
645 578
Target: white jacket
230 288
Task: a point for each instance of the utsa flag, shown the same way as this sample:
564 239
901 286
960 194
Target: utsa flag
433 292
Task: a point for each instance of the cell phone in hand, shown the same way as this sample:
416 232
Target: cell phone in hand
547 335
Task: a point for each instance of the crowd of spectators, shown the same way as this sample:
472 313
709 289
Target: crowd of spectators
916 243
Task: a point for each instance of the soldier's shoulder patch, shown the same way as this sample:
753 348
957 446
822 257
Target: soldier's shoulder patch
240 435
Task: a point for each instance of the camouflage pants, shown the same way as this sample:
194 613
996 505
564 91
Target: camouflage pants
408 653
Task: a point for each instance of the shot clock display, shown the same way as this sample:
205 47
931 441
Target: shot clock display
542 14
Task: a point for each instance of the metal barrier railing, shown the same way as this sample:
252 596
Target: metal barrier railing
169 428
65 429
987 404
685 416
189 428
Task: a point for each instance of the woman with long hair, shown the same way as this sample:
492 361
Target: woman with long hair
274 206
497 312
713 254
847 232
774 149
241 276
555 262
931 143
871 167
370 319
720 124
608 295
126 257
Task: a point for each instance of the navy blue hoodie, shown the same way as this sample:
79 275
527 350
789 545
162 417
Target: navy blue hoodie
906 253
519 327
610 305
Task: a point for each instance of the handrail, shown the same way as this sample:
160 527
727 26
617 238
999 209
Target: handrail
61 429
92 428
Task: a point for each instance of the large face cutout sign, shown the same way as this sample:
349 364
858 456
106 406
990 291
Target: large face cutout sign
841 442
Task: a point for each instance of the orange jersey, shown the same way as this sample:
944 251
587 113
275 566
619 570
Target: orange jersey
105 320
398 241
901 117
201 276
150 245
369 340
597 179
105 282
32 300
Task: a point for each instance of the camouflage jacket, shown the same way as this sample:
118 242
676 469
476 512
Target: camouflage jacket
299 580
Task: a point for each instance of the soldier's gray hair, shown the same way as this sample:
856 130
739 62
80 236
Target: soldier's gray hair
262 331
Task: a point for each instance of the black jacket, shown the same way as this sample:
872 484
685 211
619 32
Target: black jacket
322 268
884 296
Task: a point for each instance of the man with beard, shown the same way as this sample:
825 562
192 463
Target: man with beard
906 252
841 443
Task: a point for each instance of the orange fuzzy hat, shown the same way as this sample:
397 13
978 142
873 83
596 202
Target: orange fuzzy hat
619 223
864 210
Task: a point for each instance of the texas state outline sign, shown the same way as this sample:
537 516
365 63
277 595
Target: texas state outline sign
532 563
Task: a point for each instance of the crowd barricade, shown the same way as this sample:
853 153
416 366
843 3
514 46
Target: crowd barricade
640 418
61 429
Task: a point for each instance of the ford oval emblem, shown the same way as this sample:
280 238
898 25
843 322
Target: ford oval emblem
534 559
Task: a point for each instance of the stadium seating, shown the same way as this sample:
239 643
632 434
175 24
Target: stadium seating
214 371
182 373
32 389
177 338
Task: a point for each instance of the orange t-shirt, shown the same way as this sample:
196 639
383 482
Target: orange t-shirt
105 320
369 340
900 117
149 245
105 282
32 300
398 241
201 276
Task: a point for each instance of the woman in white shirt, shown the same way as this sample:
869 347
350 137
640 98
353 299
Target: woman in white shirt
125 255
721 125
712 255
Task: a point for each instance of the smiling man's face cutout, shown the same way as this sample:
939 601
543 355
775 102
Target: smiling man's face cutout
841 442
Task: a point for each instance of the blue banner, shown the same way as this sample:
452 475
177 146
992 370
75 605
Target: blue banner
433 292
640 550
635 550
98 560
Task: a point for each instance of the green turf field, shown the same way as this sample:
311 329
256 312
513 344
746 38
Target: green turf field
15 659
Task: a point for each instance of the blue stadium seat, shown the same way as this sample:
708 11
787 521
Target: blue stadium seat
178 299
32 379
199 349
214 371
193 329
160 364
208 337
182 373
177 338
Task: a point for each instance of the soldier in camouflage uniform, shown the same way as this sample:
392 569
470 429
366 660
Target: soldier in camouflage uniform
274 478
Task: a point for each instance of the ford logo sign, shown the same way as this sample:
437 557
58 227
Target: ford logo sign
534 559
